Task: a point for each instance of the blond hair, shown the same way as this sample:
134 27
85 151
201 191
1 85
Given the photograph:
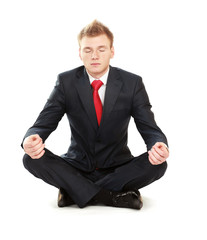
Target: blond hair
95 29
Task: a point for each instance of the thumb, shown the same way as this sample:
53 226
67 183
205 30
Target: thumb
34 137
160 144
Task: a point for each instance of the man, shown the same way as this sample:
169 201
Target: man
99 101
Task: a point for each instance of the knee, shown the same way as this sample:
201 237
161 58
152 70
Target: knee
32 165
161 170
26 161
36 164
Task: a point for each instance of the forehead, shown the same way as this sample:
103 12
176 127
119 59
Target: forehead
101 40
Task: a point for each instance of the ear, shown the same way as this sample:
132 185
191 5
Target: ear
80 53
112 51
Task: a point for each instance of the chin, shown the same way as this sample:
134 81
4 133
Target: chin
97 70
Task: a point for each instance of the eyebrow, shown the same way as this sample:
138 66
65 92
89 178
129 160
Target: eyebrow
102 46
86 48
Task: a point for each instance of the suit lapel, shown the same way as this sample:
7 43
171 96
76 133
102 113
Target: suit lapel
114 84
85 93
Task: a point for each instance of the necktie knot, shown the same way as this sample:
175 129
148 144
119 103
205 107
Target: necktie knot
96 84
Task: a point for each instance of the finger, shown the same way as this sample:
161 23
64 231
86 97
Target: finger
159 144
33 137
152 159
38 150
35 141
39 155
158 153
157 156
32 151
31 141
37 147
162 149
156 160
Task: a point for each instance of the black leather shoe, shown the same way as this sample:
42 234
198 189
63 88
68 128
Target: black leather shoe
129 199
63 199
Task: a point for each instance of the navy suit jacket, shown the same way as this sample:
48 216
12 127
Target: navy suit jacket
94 146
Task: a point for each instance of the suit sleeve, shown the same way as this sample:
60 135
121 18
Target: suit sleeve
51 114
144 117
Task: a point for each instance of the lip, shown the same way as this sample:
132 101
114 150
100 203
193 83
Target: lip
95 64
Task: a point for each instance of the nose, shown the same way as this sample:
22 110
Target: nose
94 55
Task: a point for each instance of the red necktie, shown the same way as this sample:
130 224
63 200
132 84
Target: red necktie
96 84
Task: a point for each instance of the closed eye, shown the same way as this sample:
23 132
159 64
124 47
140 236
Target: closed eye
87 50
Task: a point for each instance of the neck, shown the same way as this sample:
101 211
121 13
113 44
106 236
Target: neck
97 75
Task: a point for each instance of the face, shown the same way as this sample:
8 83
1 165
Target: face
96 52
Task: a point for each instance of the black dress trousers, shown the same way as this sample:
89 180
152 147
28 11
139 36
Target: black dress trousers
83 186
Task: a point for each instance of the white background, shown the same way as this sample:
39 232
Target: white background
163 41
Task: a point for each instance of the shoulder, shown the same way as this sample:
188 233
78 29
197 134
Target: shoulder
129 79
126 75
69 78
72 73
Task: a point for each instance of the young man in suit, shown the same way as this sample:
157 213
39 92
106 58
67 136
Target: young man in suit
99 101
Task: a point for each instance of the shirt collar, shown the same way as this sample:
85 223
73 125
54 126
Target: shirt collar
103 78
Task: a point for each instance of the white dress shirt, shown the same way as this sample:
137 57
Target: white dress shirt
102 89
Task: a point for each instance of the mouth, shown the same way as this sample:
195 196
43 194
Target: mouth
95 64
